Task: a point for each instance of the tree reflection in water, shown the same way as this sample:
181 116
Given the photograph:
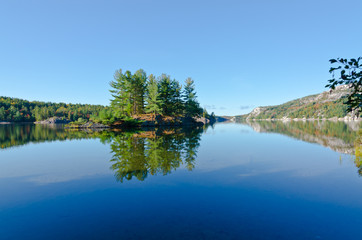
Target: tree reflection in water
160 151
153 152
136 153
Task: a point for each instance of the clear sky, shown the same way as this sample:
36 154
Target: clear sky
241 54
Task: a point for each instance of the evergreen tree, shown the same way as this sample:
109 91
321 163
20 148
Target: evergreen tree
153 100
121 102
177 105
192 108
138 91
165 90
128 93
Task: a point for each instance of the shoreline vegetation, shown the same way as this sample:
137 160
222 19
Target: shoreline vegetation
137 100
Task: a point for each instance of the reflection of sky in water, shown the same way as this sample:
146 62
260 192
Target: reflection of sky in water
244 185
56 161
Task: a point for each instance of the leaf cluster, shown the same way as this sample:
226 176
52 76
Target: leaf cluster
348 71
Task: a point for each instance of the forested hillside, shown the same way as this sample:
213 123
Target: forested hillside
325 105
19 110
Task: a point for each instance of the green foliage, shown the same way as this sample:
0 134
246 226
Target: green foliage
106 116
348 72
139 87
128 93
19 110
314 107
169 95
192 107
80 121
121 86
153 101
136 94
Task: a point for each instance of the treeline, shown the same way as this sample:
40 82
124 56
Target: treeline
135 94
19 110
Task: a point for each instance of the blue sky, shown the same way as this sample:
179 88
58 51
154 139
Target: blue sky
241 54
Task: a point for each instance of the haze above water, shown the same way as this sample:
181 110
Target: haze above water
256 180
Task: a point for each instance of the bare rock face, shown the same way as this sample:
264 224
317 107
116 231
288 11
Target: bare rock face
256 111
53 120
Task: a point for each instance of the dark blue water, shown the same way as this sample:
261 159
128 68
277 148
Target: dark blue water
243 185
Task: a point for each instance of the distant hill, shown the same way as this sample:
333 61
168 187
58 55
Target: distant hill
326 105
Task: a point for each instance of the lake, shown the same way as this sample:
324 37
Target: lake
254 180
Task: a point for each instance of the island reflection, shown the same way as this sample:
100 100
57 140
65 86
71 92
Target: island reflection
136 153
153 152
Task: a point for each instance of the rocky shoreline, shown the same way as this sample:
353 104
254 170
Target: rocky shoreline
142 122
139 121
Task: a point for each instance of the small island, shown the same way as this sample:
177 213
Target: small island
139 100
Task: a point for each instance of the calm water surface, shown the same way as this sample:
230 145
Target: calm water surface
259 180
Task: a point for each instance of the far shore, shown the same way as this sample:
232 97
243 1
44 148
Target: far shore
335 119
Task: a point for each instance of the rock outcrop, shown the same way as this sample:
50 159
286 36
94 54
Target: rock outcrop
53 120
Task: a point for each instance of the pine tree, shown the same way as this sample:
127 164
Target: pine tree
164 86
138 91
192 108
128 93
153 100
121 102
177 105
